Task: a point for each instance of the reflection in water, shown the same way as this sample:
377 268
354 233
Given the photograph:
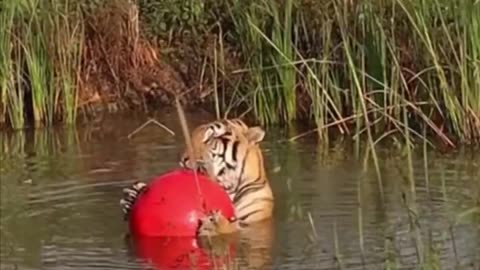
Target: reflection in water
179 253
252 248
60 191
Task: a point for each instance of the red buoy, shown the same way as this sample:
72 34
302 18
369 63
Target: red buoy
174 202
182 253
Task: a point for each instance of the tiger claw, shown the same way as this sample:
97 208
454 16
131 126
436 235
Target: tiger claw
215 223
200 166
130 195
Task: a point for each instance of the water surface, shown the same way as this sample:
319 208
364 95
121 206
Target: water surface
60 190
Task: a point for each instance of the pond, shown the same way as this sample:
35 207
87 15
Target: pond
60 191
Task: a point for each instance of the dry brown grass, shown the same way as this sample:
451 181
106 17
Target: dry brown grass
119 66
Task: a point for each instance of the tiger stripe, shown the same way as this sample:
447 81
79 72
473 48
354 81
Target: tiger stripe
229 152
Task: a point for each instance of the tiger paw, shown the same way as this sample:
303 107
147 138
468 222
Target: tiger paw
130 195
215 223
198 166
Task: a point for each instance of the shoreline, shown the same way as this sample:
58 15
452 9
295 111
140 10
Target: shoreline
117 58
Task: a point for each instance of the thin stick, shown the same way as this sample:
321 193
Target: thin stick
188 142
215 75
151 120
186 133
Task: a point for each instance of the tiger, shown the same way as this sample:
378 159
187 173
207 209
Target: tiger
228 151
202 134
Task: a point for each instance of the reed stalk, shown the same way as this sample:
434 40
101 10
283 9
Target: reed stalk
11 100
355 56
353 66
40 61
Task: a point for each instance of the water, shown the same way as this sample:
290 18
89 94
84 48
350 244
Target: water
60 191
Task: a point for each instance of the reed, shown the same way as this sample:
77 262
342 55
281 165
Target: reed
449 39
360 67
11 100
34 43
269 54
364 64
68 54
40 61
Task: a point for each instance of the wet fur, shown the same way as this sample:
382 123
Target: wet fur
229 152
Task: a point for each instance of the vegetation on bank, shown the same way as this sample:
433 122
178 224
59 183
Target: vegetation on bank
362 67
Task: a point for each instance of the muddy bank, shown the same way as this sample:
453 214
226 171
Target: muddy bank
122 68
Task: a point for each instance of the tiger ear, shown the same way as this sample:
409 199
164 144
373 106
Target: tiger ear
255 134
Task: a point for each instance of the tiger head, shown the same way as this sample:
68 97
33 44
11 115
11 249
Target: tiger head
202 137
228 151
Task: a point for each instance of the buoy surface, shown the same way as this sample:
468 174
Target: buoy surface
182 253
173 204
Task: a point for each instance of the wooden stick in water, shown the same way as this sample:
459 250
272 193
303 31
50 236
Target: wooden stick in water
151 120
186 132
188 142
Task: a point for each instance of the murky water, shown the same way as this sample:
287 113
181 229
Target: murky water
60 191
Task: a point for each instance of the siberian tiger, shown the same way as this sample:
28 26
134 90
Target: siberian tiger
229 152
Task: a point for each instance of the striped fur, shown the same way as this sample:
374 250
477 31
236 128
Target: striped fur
229 151
204 133
130 195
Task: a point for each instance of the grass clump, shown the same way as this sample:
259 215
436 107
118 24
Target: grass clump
63 57
364 65
373 68
41 52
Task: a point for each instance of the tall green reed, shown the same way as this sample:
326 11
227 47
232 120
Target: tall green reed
355 66
365 64
265 29
11 99
68 54
40 61
449 35
38 67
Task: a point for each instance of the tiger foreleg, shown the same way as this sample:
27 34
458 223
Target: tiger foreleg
130 196
215 223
